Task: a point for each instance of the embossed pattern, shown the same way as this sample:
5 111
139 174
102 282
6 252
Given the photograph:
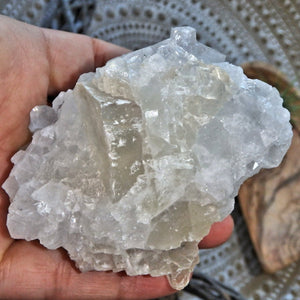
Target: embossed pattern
243 30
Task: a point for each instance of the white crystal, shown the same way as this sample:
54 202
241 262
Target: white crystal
129 170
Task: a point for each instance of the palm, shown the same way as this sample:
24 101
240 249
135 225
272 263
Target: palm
33 64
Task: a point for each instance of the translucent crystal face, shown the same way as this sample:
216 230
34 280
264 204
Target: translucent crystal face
129 170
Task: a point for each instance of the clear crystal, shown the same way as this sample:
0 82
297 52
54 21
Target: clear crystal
129 170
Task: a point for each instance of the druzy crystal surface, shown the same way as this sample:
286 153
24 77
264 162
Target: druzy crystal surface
129 170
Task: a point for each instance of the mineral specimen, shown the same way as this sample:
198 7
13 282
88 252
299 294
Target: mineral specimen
129 170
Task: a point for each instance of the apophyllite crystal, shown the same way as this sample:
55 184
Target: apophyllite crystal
129 170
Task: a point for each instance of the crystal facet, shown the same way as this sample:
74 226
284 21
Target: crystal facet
129 170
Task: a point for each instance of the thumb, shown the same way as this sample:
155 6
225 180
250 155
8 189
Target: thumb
70 55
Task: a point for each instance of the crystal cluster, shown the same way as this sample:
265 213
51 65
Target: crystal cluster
129 170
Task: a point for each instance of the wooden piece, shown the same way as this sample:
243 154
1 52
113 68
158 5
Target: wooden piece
270 202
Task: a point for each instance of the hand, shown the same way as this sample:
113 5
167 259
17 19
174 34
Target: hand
34 63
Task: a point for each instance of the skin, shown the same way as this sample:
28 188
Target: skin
35 63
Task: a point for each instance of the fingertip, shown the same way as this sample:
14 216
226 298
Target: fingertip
145 287
104 51
219 233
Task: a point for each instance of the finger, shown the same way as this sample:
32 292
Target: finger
120 286
5 239
219 233
40 273
71 55
35 62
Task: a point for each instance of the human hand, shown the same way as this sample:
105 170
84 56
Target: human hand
35 63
